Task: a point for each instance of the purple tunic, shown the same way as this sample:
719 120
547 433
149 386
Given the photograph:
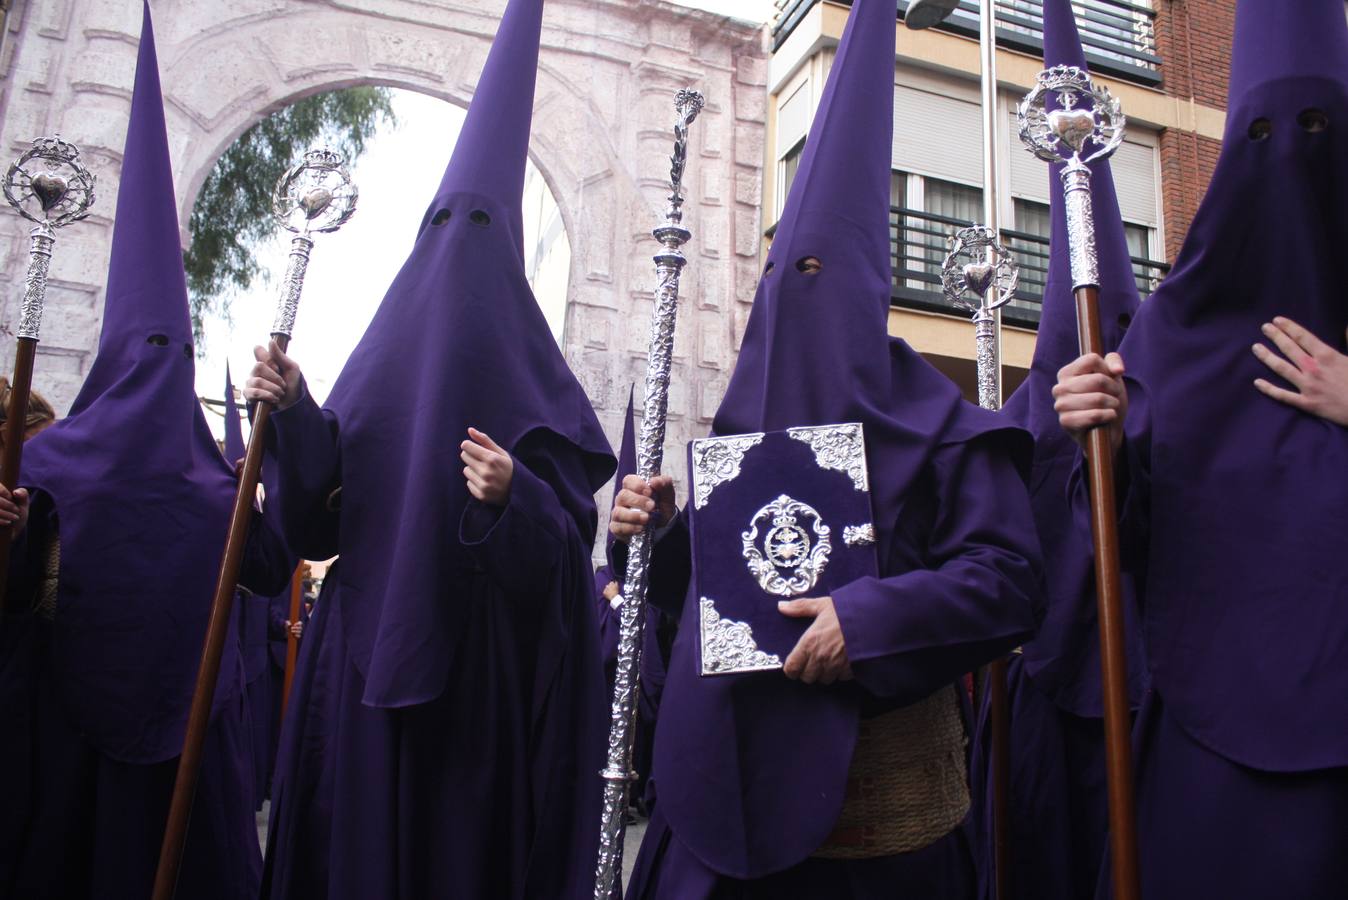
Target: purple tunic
750 770
1057 805
492 785
133 481
1237 500
448 728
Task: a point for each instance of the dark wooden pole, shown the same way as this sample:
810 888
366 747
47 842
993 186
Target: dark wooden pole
16 419
999 722
292 643
1109 597
217 630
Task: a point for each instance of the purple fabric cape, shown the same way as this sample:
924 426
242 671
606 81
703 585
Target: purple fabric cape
750 771
1246 595
461 334
1064 657
141 489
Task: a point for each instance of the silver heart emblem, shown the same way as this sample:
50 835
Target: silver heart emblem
49 190
1072 126
315 201
978 277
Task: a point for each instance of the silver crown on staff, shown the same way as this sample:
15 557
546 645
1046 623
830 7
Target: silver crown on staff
49 184
967 270
1063 134
317 195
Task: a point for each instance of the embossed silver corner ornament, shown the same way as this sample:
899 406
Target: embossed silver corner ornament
859 535
717 461
786 555
839 448
1063 134
729 646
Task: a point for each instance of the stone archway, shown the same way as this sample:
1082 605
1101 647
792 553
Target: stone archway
601 138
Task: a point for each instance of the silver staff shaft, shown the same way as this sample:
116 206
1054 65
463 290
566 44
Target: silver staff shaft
289 303
618 773
42 239
1076 185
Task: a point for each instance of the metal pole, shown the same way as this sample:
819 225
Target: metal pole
618 773
987 47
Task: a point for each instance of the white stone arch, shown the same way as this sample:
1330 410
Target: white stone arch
600 137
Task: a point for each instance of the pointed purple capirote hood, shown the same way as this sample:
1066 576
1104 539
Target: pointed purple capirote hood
234 446
1246 620
140 487
815 349
627 465
1063 659
462 340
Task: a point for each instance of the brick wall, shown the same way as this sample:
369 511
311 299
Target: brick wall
1193 38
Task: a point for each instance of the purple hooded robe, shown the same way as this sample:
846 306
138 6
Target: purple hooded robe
1236 499
750 771
137 488
445 726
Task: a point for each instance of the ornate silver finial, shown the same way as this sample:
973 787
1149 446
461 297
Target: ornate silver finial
977 263
1075 136
1066 132
49 184
687 103
315 195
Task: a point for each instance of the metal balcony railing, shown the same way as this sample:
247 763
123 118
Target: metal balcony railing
919 242
1118 36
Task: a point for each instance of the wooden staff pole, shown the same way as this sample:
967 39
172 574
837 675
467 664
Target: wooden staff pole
292 642
316 195
217 630
1109 598
16 418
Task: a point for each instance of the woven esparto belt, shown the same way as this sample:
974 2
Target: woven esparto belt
906 786
46 590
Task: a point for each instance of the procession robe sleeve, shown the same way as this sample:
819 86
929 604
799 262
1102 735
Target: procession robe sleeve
518 544
302 475
966 564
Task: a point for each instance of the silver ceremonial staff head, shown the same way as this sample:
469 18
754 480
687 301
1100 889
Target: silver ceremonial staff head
926 13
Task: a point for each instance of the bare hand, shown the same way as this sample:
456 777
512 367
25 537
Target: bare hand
611 591
14 510
1317 371
275 378
1090 394
487 468
637 501
296 629
821 653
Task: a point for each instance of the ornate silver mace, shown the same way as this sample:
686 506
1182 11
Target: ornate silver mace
315 196
1075 136
979 265
50 187
618 774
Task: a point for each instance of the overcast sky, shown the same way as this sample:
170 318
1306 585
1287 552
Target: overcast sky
350 270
